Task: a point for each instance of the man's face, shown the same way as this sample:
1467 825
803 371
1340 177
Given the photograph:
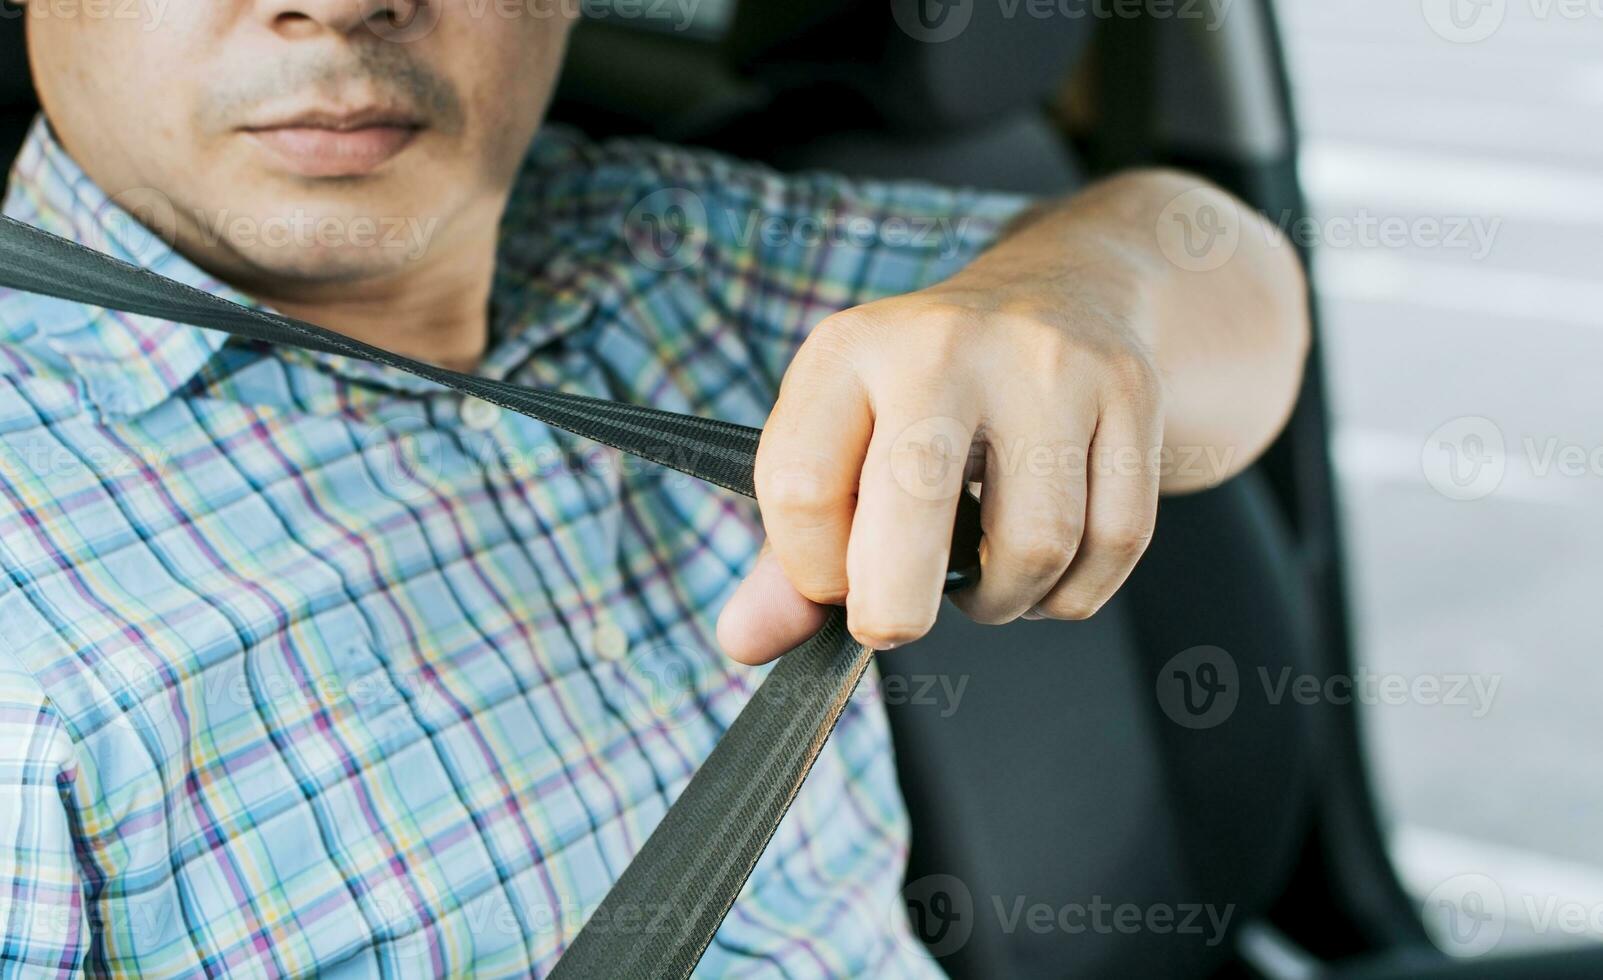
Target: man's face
319 141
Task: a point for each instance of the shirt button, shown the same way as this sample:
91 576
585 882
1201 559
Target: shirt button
480 415
611 643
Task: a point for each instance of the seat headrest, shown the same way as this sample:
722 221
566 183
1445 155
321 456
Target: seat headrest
921 63
16 88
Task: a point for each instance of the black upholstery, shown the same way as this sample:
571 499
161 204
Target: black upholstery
17 106
908 58
839 85
1583 963
855 88
1057 779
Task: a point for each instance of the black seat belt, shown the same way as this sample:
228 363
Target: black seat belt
663 910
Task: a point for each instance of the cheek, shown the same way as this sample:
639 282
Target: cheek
512 72
114 91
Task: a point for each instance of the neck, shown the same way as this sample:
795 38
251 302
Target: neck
433 309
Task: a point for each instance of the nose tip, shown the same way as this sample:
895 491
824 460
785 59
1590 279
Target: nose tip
388 19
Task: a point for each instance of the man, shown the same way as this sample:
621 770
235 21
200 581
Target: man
310 666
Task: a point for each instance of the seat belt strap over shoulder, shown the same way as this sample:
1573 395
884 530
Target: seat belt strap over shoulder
663 911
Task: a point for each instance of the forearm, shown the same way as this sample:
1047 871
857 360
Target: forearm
1223 314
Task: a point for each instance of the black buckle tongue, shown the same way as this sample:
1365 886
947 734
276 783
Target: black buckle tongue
963 567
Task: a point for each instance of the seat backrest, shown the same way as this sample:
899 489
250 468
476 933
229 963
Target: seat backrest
17 103
858 88
1053 770
1113 798
952 92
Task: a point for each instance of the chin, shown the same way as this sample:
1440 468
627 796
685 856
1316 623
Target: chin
313 241
325 264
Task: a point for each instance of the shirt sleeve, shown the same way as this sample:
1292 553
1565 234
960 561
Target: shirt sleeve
43 929
777 253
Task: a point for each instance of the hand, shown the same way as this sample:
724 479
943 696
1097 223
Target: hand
864 456
1083 361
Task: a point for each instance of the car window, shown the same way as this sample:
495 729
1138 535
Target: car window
1451 159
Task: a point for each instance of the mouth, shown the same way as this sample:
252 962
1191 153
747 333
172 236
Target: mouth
323 143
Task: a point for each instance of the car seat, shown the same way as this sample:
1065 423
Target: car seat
1063 778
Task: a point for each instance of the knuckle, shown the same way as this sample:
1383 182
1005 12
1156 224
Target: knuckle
1045 551
836 327
1036 333
1132 377
944 330
1124 540
1043 334
823 587
829 349
946 314
1070 604
800 493
985 613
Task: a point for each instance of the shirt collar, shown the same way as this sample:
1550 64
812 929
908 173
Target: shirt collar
127 363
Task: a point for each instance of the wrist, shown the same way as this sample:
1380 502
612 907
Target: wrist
1064 267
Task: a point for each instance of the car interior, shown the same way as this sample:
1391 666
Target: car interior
1064 780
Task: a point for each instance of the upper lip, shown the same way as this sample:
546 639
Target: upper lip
341 120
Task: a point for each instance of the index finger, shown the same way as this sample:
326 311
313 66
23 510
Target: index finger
808 466
901 533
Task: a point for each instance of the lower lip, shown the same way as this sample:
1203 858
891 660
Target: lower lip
310 152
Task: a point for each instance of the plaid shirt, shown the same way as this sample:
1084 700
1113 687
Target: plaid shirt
307 665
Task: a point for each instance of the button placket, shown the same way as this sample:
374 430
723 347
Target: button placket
610 642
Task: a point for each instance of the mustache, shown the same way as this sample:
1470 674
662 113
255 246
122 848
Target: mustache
387 74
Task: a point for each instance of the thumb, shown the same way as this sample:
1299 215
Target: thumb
766 617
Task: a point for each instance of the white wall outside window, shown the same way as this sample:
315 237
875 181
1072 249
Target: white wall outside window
1453 159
